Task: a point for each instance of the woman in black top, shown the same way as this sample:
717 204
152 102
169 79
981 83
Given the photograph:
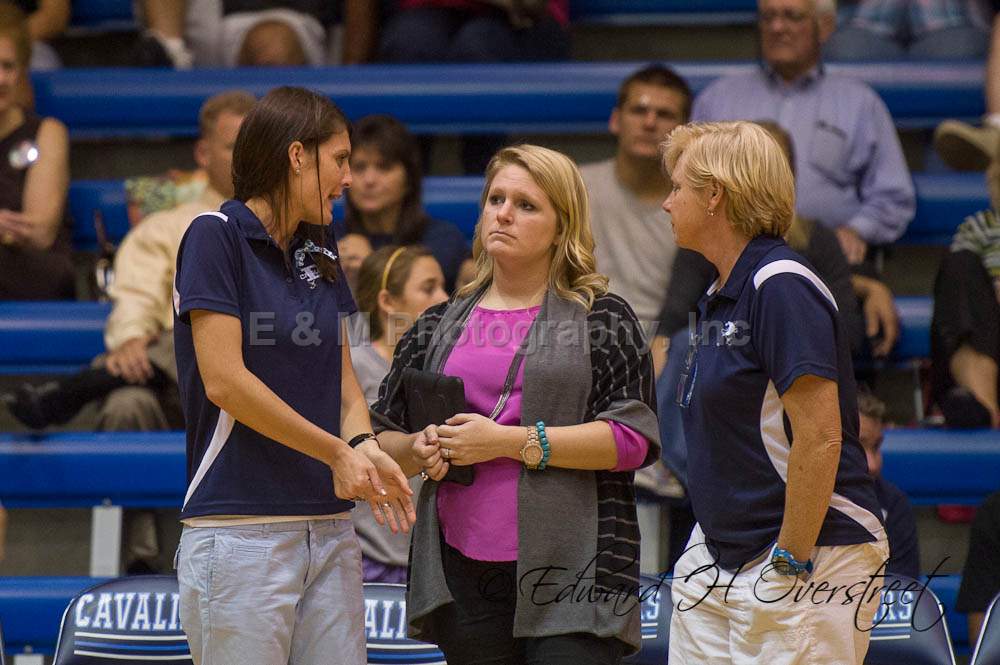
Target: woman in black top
35 261
384 203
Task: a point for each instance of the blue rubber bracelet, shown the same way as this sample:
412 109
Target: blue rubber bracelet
785 557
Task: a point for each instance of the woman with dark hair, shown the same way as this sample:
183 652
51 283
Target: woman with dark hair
384 203
396 285
278 435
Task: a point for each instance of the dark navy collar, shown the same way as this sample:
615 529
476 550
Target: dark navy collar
246 221
252 228
746 265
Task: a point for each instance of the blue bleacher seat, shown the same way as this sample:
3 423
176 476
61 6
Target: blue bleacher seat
43 613
562 98
32 607
147 468
988 645
943 466
385 629
654 593
102 15
44 337
943 201
663 12
946 590
911 627
915 327
60 337
87 469
148 627
104 197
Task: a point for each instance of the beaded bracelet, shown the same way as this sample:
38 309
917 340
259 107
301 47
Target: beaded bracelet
543 439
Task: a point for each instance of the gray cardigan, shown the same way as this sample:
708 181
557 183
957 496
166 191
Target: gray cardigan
578 535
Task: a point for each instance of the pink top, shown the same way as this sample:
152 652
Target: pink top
480 520
558 9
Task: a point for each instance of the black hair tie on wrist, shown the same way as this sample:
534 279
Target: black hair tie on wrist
361 438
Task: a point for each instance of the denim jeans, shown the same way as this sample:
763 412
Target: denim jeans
269 594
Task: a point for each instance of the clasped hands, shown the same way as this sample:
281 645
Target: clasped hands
367 473
464 439
16 228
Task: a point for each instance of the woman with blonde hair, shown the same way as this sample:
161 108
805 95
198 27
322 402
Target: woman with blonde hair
768 364
560 412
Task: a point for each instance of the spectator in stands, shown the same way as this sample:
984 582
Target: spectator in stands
557 492
419 31
242 33
634 244
771 421
962 146
923 29
162 43
35 252
47 19
268 391
353 248
456 31
396 285
384 202
851 173
897 513
965 328
981 573
137 378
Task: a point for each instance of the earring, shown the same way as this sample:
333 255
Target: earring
711 213
298 171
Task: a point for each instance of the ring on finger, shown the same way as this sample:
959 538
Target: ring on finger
446 453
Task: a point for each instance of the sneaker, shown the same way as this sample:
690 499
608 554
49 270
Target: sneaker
964 147
36 406
153 50
963 411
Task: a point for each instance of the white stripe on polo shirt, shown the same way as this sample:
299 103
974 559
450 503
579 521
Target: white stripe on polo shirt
772 433
177 296
789 266
223 428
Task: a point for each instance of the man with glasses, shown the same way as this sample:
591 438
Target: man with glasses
851 174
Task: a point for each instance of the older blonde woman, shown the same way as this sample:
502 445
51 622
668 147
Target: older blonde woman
535 561
769 365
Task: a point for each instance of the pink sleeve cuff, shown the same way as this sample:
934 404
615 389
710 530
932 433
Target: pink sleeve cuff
632 446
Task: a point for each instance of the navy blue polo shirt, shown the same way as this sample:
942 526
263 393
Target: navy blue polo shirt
773 321
291 322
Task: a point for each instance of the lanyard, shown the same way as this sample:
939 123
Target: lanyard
515 363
